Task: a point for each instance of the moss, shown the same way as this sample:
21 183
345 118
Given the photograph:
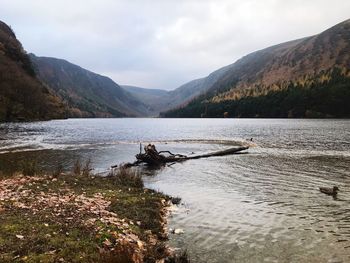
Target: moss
142 206
38 237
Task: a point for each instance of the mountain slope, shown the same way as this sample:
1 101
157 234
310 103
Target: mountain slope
153 98
22 96
188 91
307 64
87 94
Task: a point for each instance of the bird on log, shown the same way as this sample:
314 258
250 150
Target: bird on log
152 157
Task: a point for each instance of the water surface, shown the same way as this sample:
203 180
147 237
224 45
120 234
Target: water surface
263 206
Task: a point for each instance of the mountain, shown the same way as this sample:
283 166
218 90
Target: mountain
161 100
22 95
307 77
86 93
185 93
153 98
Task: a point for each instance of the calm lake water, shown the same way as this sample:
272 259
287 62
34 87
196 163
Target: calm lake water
263 206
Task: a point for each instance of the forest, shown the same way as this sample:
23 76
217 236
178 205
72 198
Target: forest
316 99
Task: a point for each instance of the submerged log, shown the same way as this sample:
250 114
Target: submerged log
152 157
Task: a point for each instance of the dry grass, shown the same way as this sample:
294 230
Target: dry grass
77 167
87 167
126 177
57 171
81 168
29 167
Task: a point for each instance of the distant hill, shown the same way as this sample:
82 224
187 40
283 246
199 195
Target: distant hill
22 95
86 93
161 100
153 98
188 91
150 93
309 77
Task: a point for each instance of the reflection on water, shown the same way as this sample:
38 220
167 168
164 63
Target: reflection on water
264 206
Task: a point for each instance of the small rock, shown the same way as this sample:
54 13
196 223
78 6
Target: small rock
19 236
179 231
334 259
139 244
107 243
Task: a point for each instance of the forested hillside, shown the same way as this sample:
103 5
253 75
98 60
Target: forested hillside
323 97
22 95
303 78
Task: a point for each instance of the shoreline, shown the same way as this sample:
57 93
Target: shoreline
82 218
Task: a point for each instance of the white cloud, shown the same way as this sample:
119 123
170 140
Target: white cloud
163 43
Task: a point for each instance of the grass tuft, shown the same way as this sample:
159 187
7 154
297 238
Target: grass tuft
57 171
77 167
127 177
29 167
87 167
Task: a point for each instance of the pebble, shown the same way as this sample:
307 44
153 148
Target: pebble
176 231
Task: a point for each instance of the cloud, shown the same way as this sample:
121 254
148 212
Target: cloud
163 43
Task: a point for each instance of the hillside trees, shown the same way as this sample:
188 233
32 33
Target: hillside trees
328 96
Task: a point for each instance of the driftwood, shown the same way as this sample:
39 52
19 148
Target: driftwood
152 157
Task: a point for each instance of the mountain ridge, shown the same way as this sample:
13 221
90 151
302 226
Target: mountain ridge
87 94
300 62
307 63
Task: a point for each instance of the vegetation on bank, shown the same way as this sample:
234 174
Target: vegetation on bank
326 96
79 217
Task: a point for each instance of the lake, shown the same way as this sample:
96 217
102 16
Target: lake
263 206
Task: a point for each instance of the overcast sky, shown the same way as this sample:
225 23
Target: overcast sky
163 43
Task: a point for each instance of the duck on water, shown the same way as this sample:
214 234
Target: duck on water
330 190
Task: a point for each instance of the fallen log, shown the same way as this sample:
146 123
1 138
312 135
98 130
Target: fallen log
219 153
152 157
